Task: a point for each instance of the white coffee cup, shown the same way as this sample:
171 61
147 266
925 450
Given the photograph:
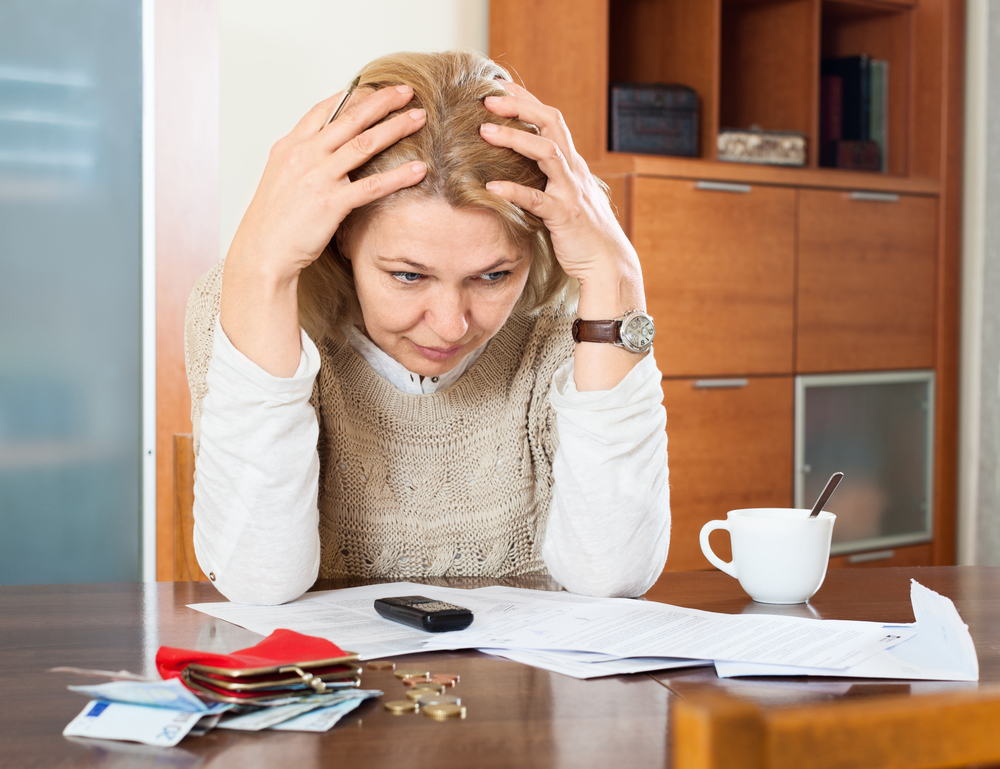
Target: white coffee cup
780 554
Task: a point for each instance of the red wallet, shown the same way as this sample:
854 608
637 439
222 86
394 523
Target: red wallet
284 664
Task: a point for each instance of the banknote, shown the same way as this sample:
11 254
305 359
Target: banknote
319 720
205 725
267 718
121 675
170 694
137 723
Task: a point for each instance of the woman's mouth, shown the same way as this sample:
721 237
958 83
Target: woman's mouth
437 353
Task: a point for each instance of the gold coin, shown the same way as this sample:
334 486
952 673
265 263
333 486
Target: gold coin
403 674
398 707
436 688
438 699
444 712
381 665
418 680
414 695
445 679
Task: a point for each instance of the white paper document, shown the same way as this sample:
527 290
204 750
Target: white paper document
941 649
628 628
587 665
531 622
348 617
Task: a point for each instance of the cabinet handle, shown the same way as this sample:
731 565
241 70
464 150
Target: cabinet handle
877 555
719 384
876 197
723 187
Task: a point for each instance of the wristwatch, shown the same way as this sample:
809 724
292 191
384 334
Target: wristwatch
633 331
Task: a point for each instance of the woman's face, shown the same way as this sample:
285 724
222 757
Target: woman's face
435 282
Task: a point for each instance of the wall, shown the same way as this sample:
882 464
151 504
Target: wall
278 59
979 457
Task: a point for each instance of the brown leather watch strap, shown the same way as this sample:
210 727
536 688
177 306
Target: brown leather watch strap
595 330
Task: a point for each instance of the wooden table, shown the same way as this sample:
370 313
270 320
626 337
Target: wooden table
517 716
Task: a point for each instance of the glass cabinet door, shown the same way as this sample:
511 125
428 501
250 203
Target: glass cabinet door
878 430
70 280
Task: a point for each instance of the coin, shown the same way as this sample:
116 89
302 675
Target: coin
398 707
444 712
403 674
414 695
445 679
381 665
418 680
438 699
425 688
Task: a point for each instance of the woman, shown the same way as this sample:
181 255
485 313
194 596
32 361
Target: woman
383 371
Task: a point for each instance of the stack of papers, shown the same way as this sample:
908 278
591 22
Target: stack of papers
587 637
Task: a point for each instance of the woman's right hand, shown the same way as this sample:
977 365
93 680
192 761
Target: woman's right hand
302 198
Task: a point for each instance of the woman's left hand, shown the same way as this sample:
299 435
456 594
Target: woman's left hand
588 241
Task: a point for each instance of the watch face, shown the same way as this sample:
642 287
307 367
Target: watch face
638 332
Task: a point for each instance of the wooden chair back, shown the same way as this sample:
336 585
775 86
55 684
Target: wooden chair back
186 567
712 730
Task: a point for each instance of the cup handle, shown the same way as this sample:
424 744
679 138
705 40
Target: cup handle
706 548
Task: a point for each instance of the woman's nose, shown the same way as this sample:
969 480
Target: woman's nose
448 316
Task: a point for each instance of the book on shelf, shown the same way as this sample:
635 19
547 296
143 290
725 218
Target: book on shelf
878 91
854 112
831 96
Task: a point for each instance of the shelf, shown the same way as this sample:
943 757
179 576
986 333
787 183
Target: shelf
615 164
757 62
850 28
770 67
673 41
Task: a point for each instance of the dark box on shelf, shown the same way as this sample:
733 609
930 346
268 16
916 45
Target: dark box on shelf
653 119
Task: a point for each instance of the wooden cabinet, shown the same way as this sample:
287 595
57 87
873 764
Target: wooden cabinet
721 259
913 555
867 281
728 450
799 275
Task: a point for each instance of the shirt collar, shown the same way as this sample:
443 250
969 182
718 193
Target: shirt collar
396 374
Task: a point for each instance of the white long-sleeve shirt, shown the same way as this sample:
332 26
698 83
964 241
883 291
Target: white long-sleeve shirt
256 511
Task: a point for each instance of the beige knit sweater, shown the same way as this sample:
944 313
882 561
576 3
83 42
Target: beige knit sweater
458 482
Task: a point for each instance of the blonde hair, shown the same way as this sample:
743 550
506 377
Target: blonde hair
451 87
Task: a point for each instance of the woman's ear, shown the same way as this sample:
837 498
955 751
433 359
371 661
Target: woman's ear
340 243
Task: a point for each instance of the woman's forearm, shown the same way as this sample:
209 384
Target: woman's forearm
602 366
255 504
608 529
259 311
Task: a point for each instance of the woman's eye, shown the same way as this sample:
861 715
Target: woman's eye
406 277
493 277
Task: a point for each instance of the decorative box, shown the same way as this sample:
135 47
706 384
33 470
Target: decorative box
780 148
653 119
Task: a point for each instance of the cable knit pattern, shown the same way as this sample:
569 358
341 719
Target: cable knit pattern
458 482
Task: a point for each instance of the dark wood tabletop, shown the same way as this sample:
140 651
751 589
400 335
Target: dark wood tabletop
517 716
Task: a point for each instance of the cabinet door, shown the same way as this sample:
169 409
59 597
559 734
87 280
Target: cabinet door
730 447
867 280
719 272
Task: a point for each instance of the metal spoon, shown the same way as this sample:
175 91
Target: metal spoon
831 486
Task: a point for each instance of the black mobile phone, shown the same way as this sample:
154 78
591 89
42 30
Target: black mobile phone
424 613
